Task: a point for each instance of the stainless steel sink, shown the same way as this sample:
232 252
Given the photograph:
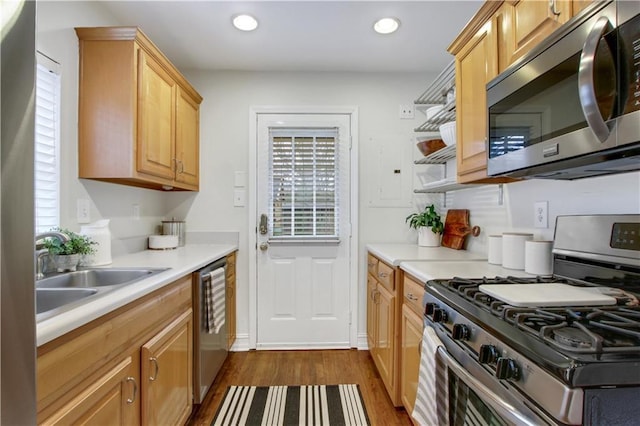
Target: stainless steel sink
60 292
48 299
96 278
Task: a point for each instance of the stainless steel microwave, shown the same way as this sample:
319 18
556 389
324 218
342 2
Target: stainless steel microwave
570 108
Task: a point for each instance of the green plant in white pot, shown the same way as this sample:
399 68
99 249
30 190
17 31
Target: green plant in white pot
429 225
67 254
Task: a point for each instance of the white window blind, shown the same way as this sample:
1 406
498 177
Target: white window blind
47 135
303 183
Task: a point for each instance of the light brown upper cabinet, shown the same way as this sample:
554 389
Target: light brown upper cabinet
476 60
139 118
499 34
535 20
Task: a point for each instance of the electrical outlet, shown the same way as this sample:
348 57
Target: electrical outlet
541 214
83 209
136 212
407 111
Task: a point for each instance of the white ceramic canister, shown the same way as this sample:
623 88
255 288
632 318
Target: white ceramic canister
99 232
513 249
537 257
495 250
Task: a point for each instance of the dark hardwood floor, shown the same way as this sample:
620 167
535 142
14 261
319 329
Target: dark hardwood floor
318 367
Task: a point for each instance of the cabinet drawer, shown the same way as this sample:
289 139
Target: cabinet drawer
372 265
386 276
412 294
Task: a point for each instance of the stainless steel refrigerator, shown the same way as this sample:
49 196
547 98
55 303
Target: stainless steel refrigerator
17 311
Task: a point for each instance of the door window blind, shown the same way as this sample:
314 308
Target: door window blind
47 141
303 184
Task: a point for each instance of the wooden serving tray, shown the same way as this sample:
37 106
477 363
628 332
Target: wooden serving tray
457 228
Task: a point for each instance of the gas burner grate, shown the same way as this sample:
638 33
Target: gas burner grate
584 330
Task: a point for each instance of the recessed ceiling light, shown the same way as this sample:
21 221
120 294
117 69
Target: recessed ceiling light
386 25
245 22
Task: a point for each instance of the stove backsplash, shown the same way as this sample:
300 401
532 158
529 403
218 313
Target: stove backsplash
617 194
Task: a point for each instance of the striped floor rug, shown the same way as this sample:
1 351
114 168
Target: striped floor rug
331 405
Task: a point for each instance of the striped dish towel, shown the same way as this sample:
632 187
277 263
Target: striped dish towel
432 385
214 301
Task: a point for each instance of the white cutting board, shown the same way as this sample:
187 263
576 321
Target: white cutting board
551 294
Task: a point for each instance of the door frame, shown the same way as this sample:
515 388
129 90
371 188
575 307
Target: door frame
254 112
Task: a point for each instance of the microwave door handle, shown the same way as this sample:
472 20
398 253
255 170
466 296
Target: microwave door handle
586 89
505 409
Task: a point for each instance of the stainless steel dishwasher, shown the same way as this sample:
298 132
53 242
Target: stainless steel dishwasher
209 349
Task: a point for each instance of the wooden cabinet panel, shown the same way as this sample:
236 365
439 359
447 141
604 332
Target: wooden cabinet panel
412 326
476 64
386 344
110 400
413 293
386 276
372 317
156 118
138 119
167 374
578 5
230 318
187 139
534 20
383 308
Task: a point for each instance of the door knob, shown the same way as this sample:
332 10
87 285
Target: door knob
264 246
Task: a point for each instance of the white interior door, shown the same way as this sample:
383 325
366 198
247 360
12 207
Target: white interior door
303 232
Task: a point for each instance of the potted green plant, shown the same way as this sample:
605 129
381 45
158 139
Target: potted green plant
67 254
429 225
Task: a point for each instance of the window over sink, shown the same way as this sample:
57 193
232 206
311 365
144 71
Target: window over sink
47 144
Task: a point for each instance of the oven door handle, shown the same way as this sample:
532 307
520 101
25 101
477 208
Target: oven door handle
586 89
505 409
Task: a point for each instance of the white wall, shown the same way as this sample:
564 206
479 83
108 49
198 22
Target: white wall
57 39
224 139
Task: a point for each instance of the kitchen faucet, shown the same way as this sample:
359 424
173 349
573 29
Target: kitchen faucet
41 253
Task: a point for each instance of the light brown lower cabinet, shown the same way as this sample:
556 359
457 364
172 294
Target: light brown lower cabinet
100 373
167 388
410 356
230 312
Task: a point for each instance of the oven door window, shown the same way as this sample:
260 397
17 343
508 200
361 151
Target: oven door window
467 409
549 105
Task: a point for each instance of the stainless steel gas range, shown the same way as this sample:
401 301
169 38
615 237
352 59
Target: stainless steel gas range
572 361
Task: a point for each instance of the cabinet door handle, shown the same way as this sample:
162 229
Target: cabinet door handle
553 9
420 347
411 297
382 275
154 360
135 389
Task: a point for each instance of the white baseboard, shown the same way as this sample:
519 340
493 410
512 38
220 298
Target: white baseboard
363 344
241 344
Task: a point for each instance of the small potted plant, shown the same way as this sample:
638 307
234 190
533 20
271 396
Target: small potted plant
67 254
429 225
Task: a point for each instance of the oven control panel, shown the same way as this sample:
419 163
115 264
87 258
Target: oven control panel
625 236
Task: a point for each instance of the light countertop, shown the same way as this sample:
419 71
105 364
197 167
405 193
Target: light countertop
181 261
393 254
425 271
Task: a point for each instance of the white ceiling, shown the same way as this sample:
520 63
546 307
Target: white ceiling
300 35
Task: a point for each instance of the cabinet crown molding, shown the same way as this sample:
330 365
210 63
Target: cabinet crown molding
135 34
474 25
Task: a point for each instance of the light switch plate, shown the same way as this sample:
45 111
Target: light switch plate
83 210
239 197
240 179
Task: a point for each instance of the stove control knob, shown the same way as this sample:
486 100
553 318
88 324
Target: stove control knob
428 308
461 332
488 354
506 368
439 315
